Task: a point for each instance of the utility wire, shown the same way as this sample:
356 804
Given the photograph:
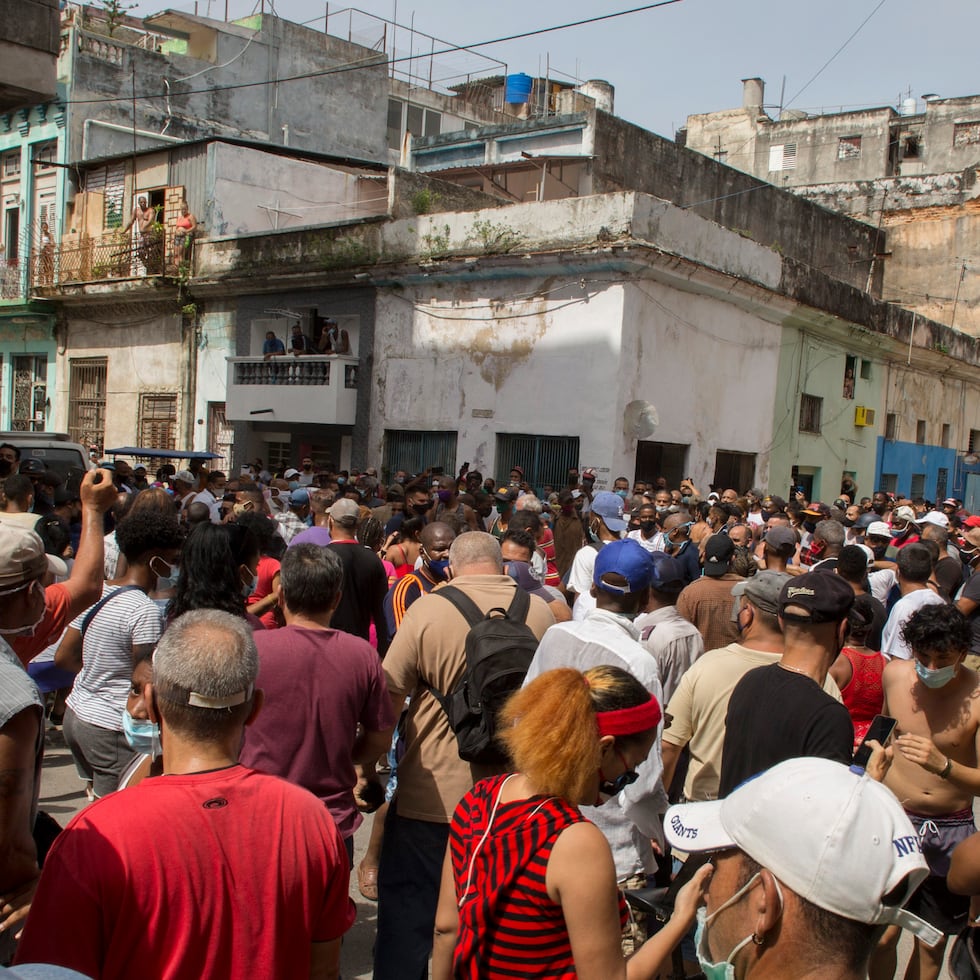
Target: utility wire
373 62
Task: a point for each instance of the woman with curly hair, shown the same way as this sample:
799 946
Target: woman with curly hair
529 885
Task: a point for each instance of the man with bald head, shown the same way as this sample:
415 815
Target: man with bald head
677 543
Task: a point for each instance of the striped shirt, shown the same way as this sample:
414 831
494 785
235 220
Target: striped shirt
102 685
508 926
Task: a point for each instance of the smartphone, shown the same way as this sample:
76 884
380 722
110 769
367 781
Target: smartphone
880 731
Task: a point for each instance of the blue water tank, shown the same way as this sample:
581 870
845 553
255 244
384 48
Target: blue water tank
518 88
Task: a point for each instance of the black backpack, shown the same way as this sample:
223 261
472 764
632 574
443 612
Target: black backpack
499 649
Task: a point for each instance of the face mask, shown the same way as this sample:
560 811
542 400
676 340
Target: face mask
609 788
648 527
935 678
967 557
445 496
341 480
593 537
168 581
26 630
622 493
438 566
399 479
249 587
500 508
809 526
420 509
142 735
724 970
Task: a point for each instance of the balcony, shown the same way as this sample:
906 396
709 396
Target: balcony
85 259
312 389
11 279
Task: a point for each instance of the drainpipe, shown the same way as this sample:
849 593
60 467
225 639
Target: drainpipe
190 328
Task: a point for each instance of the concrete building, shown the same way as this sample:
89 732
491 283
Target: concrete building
618 331
910 171
28 51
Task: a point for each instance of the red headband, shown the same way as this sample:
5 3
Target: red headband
629 721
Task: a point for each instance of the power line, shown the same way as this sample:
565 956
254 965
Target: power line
373 62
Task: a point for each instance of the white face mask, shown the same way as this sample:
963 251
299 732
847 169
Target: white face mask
29 629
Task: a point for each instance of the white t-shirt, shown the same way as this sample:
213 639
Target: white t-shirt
580 581
892 644
102 685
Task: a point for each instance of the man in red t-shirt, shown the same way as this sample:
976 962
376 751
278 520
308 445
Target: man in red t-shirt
211 869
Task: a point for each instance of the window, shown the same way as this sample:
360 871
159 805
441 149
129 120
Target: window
942 483
912 149
660 459
11 163
782 157
404 117
966 134
811 408
414 451
110 180
28 407
920 432
86 401
944 437
11 235
974 444
891 425
544 459
850 365
221 434
278 456
44 156
157 424
734 469
889 482
917 488
865 370
849 148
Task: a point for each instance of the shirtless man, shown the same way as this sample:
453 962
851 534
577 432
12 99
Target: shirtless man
935 774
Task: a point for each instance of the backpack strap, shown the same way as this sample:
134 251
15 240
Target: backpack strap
469 610
94 611
519 606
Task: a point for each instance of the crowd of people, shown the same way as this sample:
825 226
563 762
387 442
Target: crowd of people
546 696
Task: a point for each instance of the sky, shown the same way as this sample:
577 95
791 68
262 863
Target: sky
690 56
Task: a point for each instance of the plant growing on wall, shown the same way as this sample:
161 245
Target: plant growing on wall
496 239
435 244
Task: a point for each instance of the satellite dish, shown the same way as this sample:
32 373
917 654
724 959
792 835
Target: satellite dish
640 420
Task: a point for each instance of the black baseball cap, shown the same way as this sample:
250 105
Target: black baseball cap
826 598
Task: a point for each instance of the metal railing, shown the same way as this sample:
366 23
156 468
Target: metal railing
11 279
160 252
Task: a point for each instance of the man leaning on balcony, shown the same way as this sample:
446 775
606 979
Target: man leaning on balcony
300 343
273 346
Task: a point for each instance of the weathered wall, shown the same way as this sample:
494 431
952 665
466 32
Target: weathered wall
146 350
343 114
255 192
28 52
630 157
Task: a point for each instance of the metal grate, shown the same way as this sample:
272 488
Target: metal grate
811 408
30 384
157 425
86 401
545 460
221 434
414 451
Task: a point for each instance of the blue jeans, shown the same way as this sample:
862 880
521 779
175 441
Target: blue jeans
409 876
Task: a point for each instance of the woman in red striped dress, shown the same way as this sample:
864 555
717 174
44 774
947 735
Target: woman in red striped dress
529 885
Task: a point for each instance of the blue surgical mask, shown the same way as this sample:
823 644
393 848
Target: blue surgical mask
439 567
168 581
724 970
142 735
622 493
935 678
249 587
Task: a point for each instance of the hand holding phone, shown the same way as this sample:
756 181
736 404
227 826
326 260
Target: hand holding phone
880 731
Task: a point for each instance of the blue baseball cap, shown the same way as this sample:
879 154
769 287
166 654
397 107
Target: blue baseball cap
668 573
626 558
609 506
299 497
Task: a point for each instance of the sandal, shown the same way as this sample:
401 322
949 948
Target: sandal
367 882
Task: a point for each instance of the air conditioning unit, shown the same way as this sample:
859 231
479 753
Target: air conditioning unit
864 416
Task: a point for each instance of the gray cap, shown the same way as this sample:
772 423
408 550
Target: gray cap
185 476
345 512
762 590
782 540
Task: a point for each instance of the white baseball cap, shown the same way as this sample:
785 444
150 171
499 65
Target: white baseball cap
878 529
833 835
935 517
